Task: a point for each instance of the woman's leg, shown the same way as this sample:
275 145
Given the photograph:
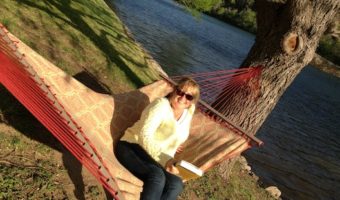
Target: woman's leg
173 187
153 184
139 163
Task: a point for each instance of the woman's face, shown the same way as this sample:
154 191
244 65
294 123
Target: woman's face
182 98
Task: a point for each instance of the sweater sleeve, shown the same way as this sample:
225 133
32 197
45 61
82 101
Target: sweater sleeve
151 120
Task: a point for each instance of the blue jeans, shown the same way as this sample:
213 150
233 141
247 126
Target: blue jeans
158 183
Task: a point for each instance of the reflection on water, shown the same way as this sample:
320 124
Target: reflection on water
205 44
301 154
176 52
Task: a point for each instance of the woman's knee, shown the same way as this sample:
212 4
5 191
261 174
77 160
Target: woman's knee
175 182
156 175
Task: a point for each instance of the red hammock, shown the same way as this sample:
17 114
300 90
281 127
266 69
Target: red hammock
27 88
21 80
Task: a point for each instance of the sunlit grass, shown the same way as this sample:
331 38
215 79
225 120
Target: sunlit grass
239 186
78 34
26 174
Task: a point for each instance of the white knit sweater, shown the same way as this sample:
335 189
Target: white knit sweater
158 132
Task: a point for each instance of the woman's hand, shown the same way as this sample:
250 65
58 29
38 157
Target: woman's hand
170 167
180 149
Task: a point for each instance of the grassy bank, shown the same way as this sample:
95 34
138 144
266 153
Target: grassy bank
239 185
76 36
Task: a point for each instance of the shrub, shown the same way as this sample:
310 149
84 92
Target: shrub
330 49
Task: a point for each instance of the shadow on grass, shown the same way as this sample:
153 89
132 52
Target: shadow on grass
17 116
100 40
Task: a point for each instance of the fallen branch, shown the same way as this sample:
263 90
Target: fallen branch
7 154
10 163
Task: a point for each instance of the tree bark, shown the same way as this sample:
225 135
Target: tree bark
287 36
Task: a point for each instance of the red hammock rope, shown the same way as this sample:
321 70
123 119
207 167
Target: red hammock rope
219 86
216 86
27 88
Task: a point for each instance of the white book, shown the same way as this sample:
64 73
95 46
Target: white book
188 171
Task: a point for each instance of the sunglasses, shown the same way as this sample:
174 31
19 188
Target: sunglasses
180 93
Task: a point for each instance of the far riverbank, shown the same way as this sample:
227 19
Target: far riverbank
242 15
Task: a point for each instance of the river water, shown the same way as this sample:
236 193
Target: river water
301 155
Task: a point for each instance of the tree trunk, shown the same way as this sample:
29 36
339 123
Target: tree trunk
287 36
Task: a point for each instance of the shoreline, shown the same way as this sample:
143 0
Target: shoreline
148 57
318 61
273 190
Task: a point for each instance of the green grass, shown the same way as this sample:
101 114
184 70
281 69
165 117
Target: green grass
78 34
16 179
20 174
239 186
30 169
330 48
